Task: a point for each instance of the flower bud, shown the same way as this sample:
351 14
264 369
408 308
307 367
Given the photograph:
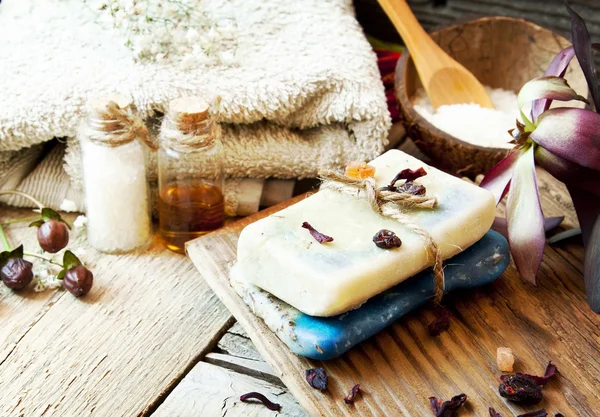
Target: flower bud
78 280
16 273
53 236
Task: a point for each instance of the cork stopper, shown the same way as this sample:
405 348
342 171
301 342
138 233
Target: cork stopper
187 113
98 110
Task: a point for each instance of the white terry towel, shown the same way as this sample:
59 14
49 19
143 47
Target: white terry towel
302 93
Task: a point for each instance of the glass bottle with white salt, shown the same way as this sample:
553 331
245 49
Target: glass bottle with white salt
190 176
114 147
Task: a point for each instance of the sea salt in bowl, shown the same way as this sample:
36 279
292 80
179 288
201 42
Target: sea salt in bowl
503 53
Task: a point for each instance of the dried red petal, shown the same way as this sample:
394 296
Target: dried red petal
494 413
548 374
386 239
408 175
317 378
349 399
537 413
261 398
447 408
410 187
520 388
319 237
441 323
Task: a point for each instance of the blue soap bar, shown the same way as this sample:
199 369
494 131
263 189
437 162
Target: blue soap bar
329 337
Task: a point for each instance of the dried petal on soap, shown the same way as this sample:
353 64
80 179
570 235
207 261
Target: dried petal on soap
408 175
505 359
410 187
441 322
543 380
520 388
317 378
386 239
494 413
349 399
261 398
537 413
359 170
447 408
319 237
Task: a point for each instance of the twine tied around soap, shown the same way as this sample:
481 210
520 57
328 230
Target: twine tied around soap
114 126
391 204
188 132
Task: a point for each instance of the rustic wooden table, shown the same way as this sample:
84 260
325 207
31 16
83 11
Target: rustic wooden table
153 339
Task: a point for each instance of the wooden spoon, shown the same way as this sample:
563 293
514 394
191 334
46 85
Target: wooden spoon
445 80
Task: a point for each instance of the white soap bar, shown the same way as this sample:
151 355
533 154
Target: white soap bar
281 257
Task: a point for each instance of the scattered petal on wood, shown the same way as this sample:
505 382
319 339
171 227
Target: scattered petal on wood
447 408
494 413
317 378
262 399
349 399
543 380
537 413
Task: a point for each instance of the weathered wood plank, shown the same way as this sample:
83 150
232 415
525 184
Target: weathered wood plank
148 320
212 391
237 345
402 366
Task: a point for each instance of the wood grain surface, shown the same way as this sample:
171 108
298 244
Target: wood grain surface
402 366
148 319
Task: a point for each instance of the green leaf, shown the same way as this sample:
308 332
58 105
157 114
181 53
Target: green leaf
70 260
61 274
49 214
9 254
37 223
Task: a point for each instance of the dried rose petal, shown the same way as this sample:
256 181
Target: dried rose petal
505 359
447 408
548 374
319 237
317 378
410 187
349 399
520 388
386 239
261 398
538 413
441 323
408 175
494 413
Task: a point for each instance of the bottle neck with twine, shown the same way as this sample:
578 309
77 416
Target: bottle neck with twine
188 126
113 122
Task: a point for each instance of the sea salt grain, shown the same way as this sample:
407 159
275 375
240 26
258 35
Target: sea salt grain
472 123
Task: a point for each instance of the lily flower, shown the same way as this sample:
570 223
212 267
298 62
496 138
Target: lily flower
566 142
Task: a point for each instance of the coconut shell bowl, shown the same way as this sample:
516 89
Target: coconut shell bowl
501 52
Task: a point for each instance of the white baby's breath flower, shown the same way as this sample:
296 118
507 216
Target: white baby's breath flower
80 222
68 206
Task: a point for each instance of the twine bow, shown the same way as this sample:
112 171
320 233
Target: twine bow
390 204
115 126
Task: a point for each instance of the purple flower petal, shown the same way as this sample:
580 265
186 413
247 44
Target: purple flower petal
525 218
550 223
573 134
497 181
568 172
557 67
547 87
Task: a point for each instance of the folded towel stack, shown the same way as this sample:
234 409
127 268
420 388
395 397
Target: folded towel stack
302 92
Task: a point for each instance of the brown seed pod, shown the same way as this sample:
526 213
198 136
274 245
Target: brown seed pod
78 280
53 236
16 273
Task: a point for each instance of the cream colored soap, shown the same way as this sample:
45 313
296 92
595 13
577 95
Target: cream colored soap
281 257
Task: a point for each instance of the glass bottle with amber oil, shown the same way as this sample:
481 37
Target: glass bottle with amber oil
190 177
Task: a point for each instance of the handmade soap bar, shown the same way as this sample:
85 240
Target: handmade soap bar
279 256
329 337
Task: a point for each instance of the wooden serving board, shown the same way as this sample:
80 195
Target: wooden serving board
403 365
